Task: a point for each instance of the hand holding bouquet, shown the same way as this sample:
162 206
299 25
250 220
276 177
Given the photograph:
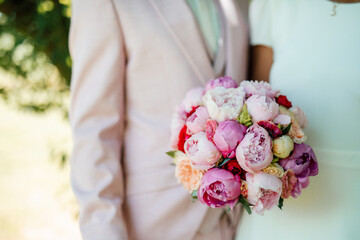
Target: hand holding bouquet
241 144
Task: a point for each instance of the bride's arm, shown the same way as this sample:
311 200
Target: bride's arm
97 118
261 62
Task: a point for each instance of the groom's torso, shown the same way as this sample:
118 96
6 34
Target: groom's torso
165 57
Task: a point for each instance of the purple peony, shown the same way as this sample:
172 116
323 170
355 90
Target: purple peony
219 187
303 163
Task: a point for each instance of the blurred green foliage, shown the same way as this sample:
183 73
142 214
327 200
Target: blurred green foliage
34 53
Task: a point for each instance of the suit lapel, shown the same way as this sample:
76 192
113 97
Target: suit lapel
175 16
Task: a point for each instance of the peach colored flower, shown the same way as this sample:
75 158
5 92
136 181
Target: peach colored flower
274 169
190 178
296 132
244 189
288 183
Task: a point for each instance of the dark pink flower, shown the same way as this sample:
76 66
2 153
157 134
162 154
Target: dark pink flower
219 187
272 129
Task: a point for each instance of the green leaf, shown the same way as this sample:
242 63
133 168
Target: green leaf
194 194
245 118
281 203
275 159
245 204
287 129
224 162
171 153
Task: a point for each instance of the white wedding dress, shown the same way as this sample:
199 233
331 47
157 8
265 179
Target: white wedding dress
317 65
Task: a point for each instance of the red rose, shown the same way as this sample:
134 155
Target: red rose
183 136
233 166
272 129
283 101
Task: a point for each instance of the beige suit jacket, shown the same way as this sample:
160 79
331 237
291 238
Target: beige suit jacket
133 61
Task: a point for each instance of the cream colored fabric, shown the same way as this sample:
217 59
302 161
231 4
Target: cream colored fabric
316 65
133 61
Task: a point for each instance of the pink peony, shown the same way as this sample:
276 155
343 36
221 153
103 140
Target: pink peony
258 88
264 191
262 108
192 99
254 151
224 104
300 117
196 122
227 137
225 82
202 153
219 187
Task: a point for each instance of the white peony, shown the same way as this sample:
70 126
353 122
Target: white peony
224 104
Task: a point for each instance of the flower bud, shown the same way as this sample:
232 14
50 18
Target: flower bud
283 146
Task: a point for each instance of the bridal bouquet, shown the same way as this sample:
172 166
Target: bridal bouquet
240 144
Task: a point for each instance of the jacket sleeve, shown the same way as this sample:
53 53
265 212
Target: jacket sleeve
97 118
